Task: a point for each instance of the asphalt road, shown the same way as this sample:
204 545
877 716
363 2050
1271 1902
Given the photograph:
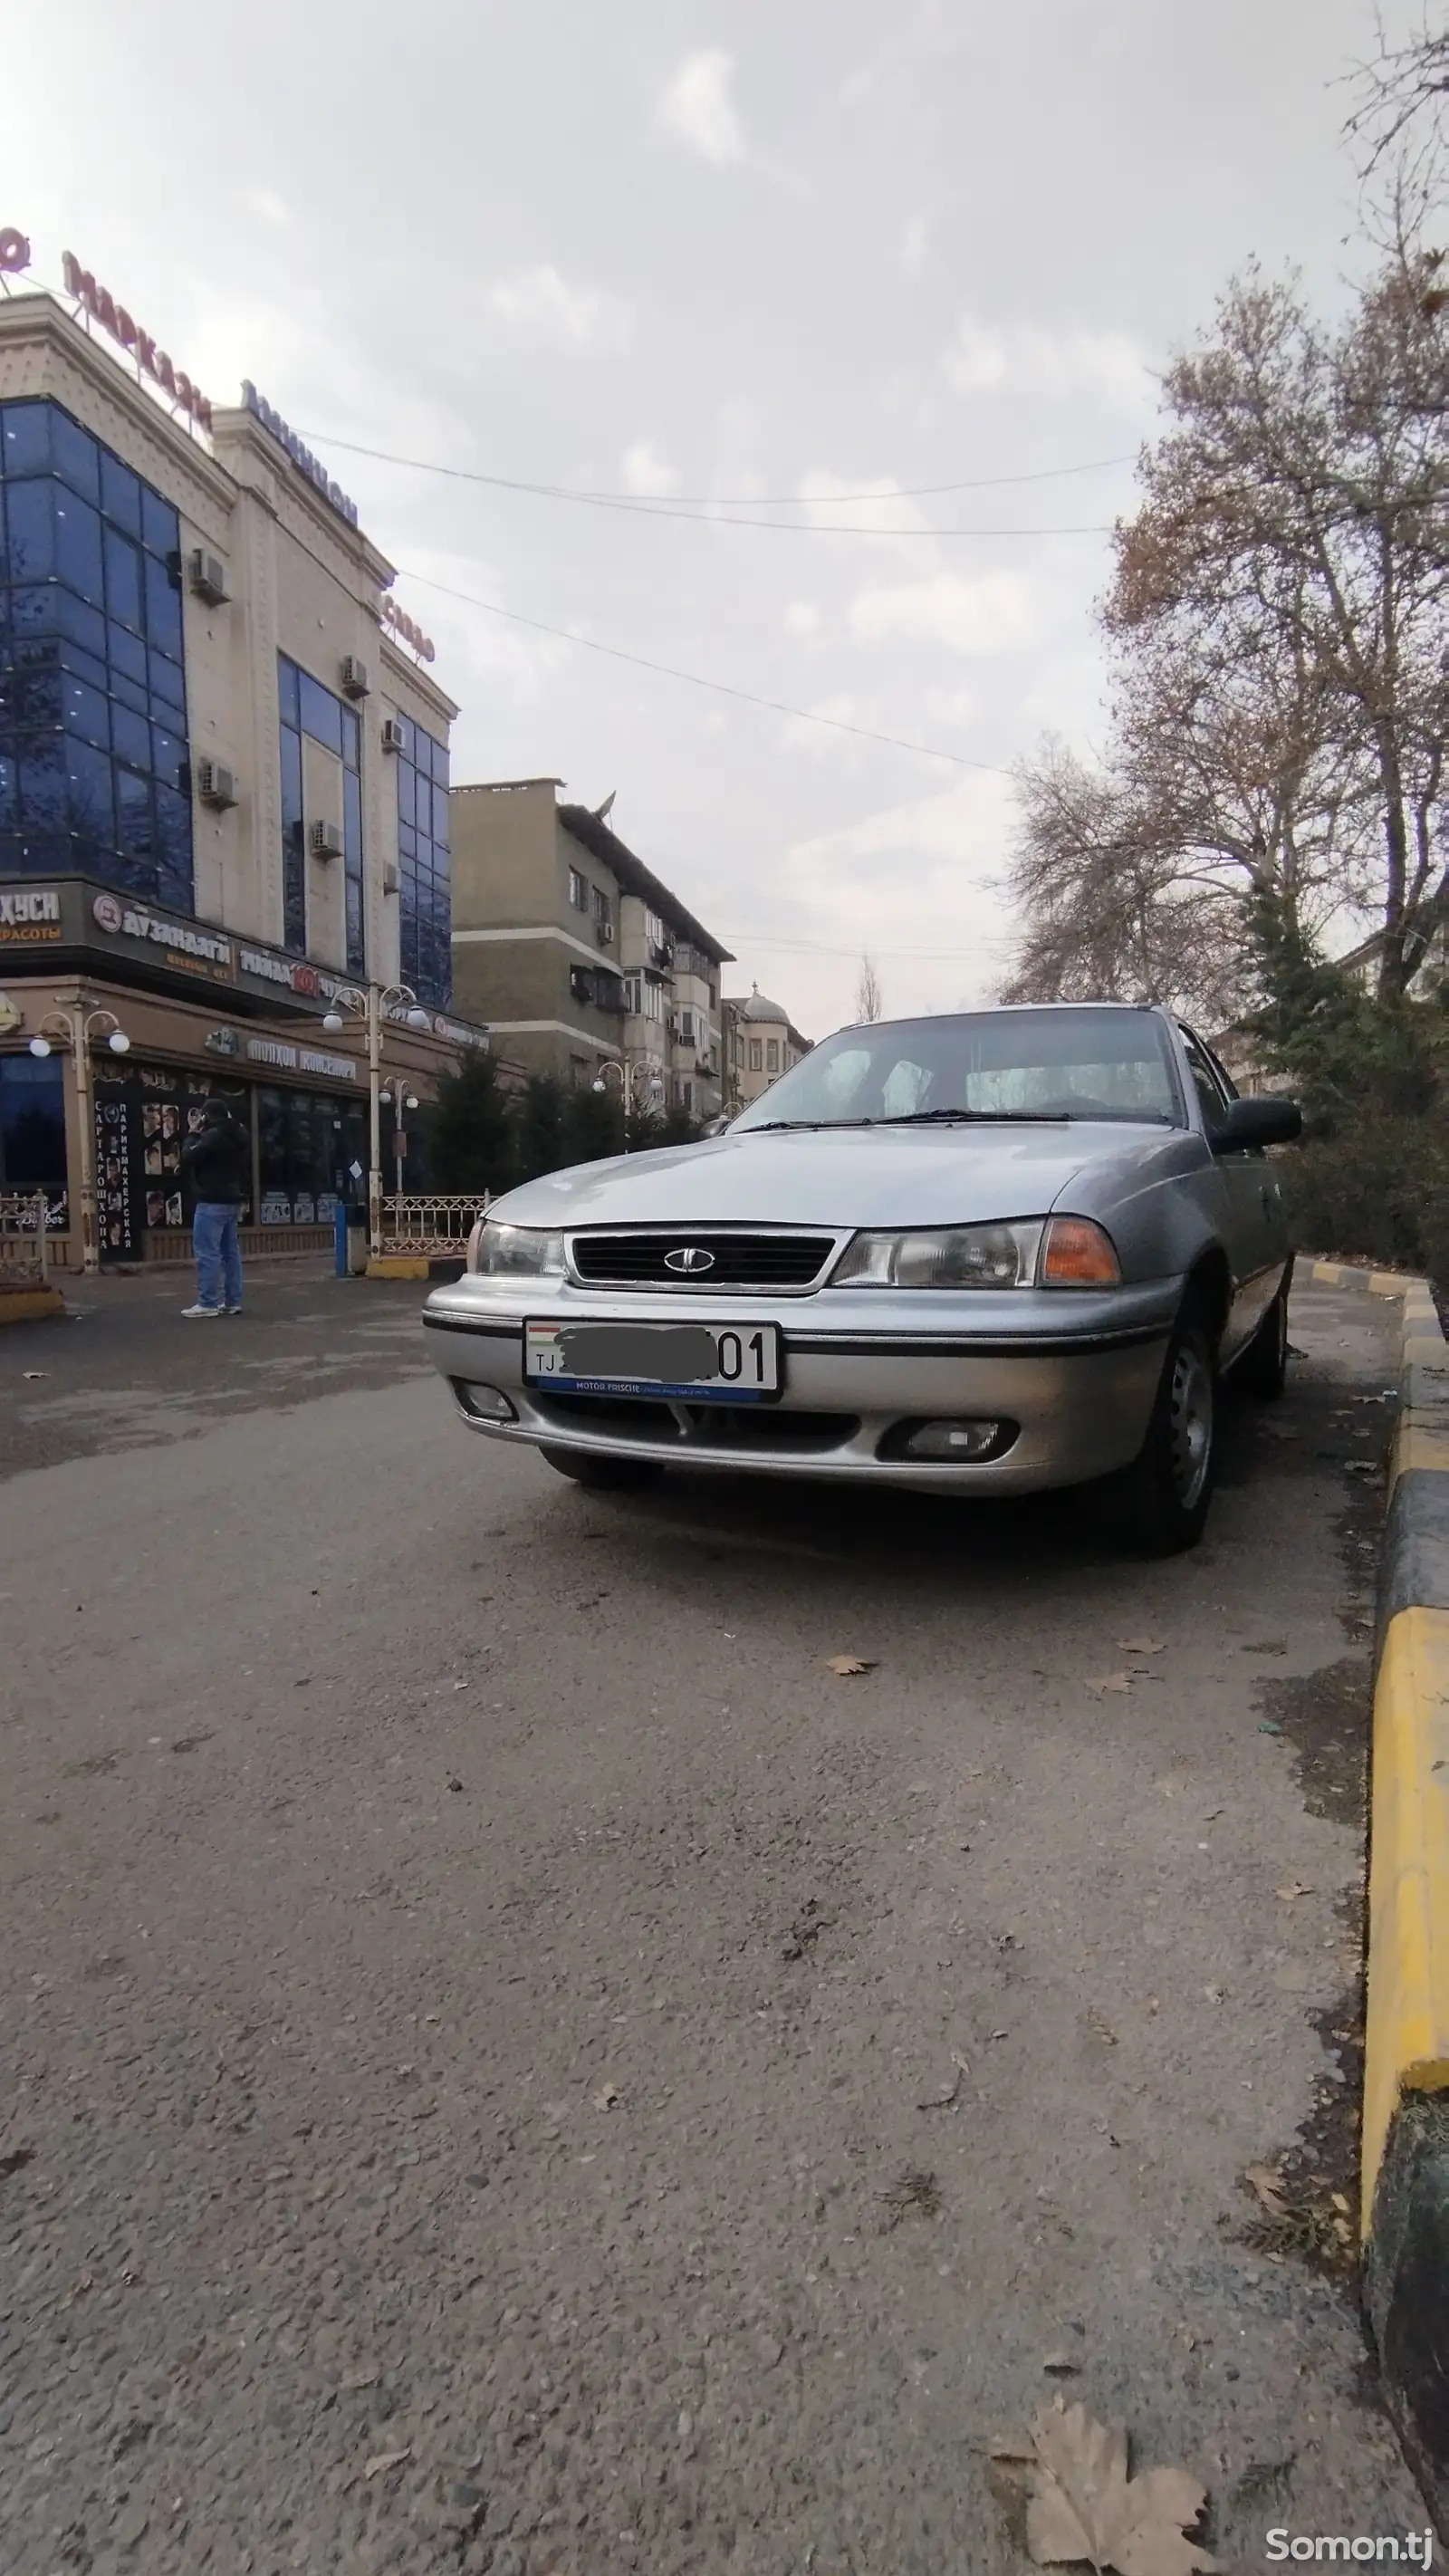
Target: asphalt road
511 2064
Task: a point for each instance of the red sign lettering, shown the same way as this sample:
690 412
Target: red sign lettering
114 318
14 250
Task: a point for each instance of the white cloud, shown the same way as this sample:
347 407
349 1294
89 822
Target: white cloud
540 304
947 610
1022 357
915 243
268 206
695 106
646 473
802 617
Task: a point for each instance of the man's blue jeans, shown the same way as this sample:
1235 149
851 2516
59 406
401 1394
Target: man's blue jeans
218 1253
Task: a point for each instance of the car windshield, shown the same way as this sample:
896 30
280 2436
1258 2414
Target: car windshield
1020 1064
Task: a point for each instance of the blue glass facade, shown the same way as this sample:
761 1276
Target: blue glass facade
94 767
425 926
304 706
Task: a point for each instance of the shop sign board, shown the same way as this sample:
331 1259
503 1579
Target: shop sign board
75 913
301 1059
29 915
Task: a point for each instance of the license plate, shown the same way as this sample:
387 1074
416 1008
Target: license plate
709 1363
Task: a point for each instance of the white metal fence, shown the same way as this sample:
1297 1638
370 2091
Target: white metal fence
432 1229
23 1239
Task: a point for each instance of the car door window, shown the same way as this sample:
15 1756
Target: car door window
1212 1098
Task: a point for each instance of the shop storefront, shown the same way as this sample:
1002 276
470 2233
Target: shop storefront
205 1016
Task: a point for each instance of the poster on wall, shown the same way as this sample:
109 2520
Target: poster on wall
143 1118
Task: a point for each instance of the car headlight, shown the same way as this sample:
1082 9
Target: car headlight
1060 1252
516 1252
950 1256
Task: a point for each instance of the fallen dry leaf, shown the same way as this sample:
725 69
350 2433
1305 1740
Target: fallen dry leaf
845 1665
1293 1888
943 2101
1267 2182
1100 1682
33 1372
1141 1646
1006 2446
606 2099
359 2379
1084 2505
387 2460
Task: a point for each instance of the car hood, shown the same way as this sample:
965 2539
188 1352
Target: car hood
848 1177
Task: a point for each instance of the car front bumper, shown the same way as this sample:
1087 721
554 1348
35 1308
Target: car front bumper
1076 1373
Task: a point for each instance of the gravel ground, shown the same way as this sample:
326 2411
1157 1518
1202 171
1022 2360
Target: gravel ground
514 2066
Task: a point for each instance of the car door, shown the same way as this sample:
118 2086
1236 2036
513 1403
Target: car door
1252 1203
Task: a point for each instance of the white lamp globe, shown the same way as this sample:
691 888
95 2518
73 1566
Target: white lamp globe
418 1018
118 1042
40 1046
332 1022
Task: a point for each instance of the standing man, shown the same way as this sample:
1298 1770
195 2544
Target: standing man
216 1158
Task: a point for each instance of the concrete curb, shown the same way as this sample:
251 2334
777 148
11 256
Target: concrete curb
1406 2067
27 1305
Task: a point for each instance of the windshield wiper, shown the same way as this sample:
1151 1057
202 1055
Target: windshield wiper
981 1117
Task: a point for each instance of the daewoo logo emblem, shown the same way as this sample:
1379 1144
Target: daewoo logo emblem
690 1261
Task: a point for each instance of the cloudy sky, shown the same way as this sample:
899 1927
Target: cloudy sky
774 260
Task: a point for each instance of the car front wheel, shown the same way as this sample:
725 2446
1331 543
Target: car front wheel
1166 1492
603 1475
1263 1368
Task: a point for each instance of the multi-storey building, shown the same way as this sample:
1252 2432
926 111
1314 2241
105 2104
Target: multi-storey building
761 1042
223 785
576 954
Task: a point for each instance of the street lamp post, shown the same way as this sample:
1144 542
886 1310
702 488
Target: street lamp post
371 1007
397 1099
75 1029
641 1085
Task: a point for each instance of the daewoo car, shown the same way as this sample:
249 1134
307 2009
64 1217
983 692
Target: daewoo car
981 1253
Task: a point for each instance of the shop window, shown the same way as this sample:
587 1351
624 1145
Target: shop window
307 1144
32 1124
90 594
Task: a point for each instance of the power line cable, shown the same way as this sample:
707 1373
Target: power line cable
702 507
696 680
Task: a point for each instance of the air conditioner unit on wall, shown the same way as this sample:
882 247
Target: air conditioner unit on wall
355 682
208 577
394 734
215 784
325 841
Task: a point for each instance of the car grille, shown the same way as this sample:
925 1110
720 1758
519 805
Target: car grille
740 1261
743 1427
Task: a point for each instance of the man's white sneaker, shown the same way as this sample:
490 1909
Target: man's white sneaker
231 1310
193 1311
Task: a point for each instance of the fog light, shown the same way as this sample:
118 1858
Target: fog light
954 1439
488 1402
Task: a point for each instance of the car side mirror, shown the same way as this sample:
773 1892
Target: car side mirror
1251 1124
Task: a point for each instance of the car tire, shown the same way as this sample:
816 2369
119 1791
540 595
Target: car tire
603 1475
1263 1368
1166 1492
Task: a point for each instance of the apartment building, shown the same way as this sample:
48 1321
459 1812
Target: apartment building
761 1042
576 954
224 787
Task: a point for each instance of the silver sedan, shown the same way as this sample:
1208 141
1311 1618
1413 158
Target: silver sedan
986 1252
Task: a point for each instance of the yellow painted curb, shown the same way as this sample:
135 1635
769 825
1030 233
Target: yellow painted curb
1418 1444
1389 1283
396 1265
1407 2042
26 1305
1330 1272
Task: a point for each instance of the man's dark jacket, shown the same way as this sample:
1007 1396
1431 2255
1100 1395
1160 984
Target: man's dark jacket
216 1158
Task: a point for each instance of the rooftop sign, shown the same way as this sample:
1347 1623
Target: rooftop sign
402 625
153 362
14 251
302 457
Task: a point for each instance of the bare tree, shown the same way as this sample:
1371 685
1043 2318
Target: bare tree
1281 606
1107 913
1399 118
868 1002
